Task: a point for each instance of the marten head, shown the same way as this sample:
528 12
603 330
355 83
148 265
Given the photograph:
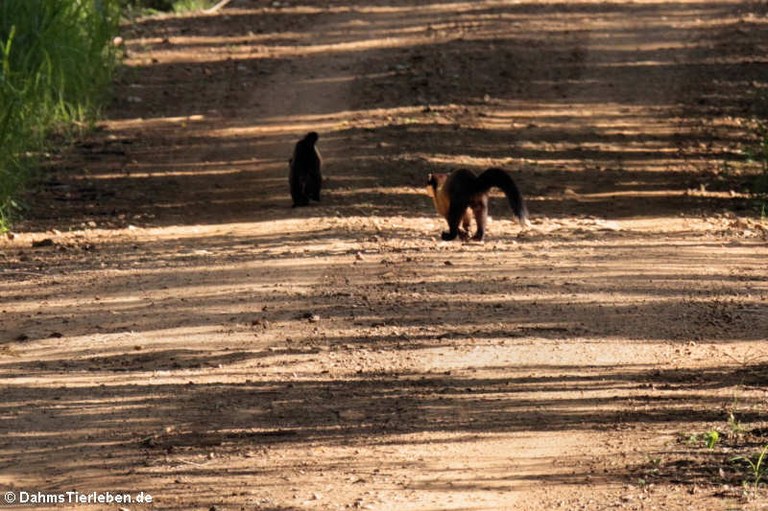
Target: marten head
435 181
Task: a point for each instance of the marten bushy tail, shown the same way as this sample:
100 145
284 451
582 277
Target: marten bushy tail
501 179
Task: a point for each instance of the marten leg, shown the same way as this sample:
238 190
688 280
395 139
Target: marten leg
456 214
466 222
297 190
314 181
480 209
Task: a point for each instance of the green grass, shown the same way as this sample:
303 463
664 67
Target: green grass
757 470
140 7
191 5
56 63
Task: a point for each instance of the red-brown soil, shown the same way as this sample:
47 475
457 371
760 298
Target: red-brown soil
171 325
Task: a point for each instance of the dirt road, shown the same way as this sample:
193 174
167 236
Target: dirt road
171 326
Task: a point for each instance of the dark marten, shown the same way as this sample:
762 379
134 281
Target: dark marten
305 177
461 194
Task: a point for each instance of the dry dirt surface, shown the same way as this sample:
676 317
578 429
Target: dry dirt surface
170 325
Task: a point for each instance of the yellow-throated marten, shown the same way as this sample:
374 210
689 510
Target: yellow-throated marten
461 194
305 177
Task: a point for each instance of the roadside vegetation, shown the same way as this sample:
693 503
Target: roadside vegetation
729 456
156 6
57 58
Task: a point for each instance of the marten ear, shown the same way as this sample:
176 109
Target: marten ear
431 180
